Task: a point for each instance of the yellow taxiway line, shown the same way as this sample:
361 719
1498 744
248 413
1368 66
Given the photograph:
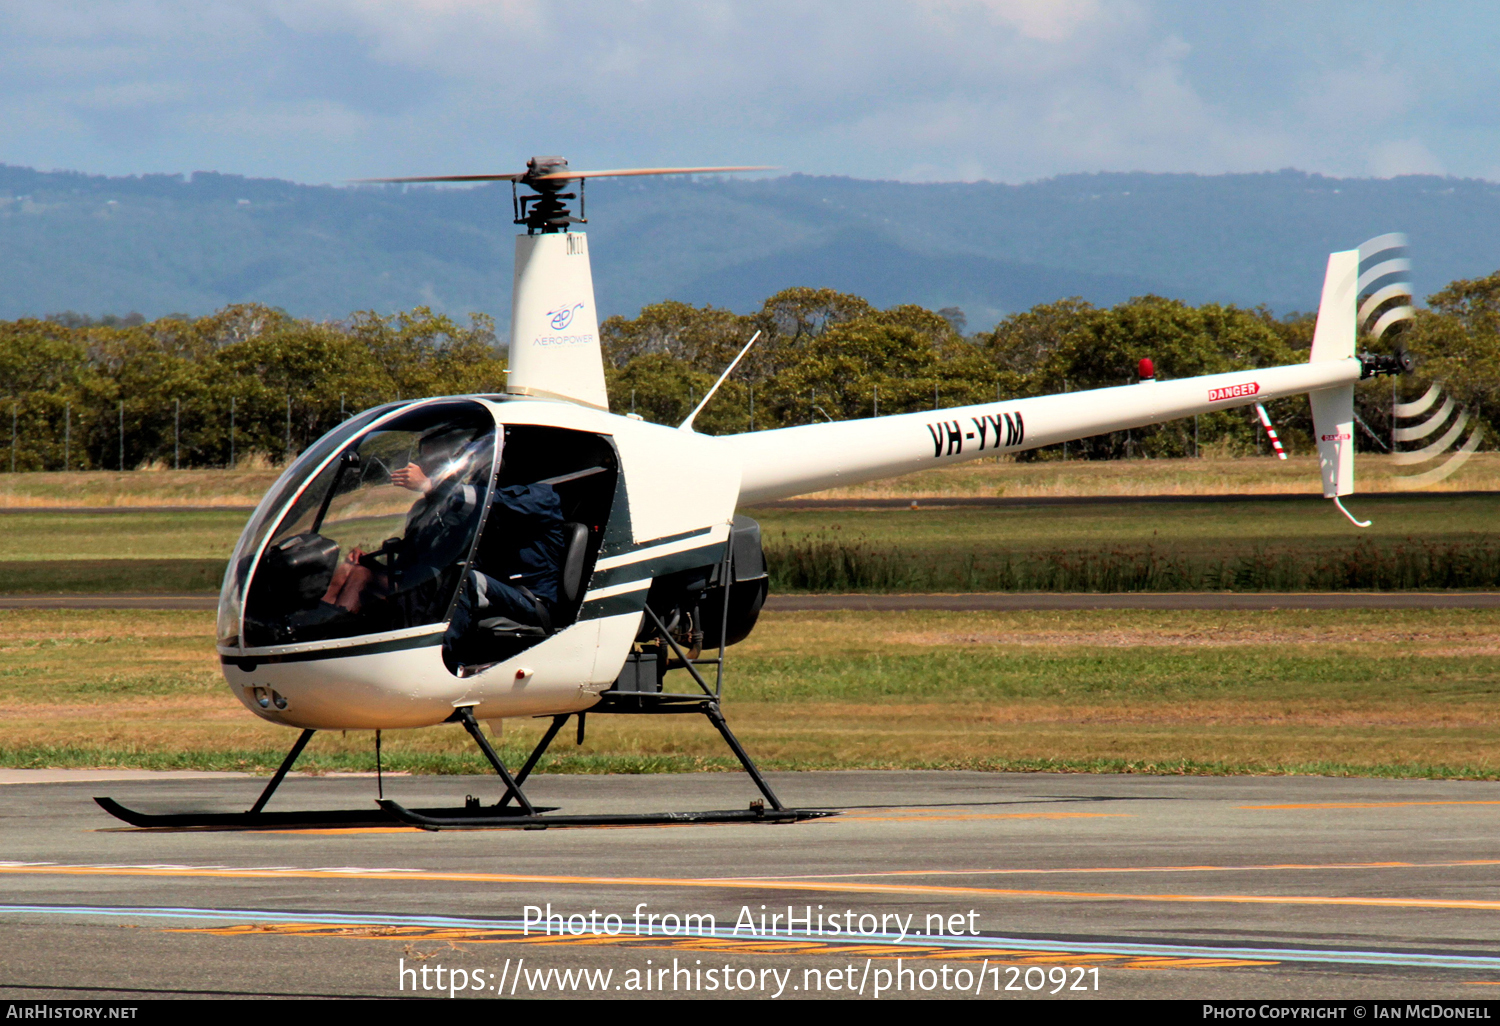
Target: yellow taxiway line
726 945
1087 870
1362 805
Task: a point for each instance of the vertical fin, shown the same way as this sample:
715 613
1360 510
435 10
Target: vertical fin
1333 408
1333 338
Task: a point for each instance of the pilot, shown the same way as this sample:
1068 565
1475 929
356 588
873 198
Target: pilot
437 522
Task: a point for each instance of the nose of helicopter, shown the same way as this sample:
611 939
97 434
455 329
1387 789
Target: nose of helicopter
360 690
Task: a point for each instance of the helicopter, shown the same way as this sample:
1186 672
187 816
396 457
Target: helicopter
342 602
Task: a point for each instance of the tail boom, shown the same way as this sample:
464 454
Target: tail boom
797 460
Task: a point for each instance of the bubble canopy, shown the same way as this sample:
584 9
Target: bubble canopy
369 531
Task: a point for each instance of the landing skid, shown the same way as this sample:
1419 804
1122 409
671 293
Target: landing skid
441 819
473 815
376 817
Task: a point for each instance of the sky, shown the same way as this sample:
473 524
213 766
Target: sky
323 91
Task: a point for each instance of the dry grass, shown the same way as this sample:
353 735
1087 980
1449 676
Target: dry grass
146 487
1397 692
986 477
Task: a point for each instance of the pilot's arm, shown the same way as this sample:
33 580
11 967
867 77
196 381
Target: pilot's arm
412 477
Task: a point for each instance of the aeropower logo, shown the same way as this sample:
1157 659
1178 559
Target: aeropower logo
1233 391
563 316
560 319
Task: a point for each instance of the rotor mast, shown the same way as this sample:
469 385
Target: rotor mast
554 326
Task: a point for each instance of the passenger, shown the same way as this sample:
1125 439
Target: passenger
521 556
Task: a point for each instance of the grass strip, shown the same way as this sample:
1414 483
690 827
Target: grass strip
263 762
837 563
1418 542
107 576
841 565
1043 475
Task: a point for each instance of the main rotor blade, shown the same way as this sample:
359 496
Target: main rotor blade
445 178
620 173
630 172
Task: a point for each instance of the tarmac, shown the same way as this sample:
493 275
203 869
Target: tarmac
926 884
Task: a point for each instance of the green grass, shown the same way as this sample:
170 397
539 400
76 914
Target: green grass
265 760
116 552
105 576
1134 674
1183 526
207 534
1416 541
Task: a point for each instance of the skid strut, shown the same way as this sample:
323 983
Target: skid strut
281 771
512 786
257 816
493 816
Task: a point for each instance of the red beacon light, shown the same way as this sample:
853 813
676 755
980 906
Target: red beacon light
1147 369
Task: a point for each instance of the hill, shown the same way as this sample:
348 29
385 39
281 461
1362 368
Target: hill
158 244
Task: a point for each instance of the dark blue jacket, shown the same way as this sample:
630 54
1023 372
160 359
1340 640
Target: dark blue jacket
523 539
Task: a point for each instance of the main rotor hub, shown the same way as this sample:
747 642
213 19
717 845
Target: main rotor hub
547 177
547 211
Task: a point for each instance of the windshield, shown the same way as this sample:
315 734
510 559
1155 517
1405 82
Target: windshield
379 539
232 593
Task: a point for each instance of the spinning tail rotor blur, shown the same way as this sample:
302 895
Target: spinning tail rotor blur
1385 308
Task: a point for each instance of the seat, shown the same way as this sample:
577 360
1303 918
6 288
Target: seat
574 557
570 590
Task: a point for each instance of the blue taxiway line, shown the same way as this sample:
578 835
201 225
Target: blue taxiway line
1403 959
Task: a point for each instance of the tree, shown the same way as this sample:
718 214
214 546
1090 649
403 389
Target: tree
1457 341
1072 345
54 393
657 387
702 338
909 357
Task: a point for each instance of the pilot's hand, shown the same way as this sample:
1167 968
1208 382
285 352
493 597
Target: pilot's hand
355 554
411 477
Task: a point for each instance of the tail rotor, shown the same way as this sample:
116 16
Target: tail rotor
1455 417
1384 286
1385 308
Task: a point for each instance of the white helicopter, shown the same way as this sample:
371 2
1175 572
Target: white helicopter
358 596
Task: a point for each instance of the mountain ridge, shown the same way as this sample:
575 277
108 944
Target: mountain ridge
176 243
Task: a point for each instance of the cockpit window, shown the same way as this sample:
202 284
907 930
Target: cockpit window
379 539
231 596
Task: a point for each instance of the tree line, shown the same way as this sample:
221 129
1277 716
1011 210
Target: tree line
248 379
202 392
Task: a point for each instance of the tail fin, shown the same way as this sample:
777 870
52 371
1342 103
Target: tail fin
1333 408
